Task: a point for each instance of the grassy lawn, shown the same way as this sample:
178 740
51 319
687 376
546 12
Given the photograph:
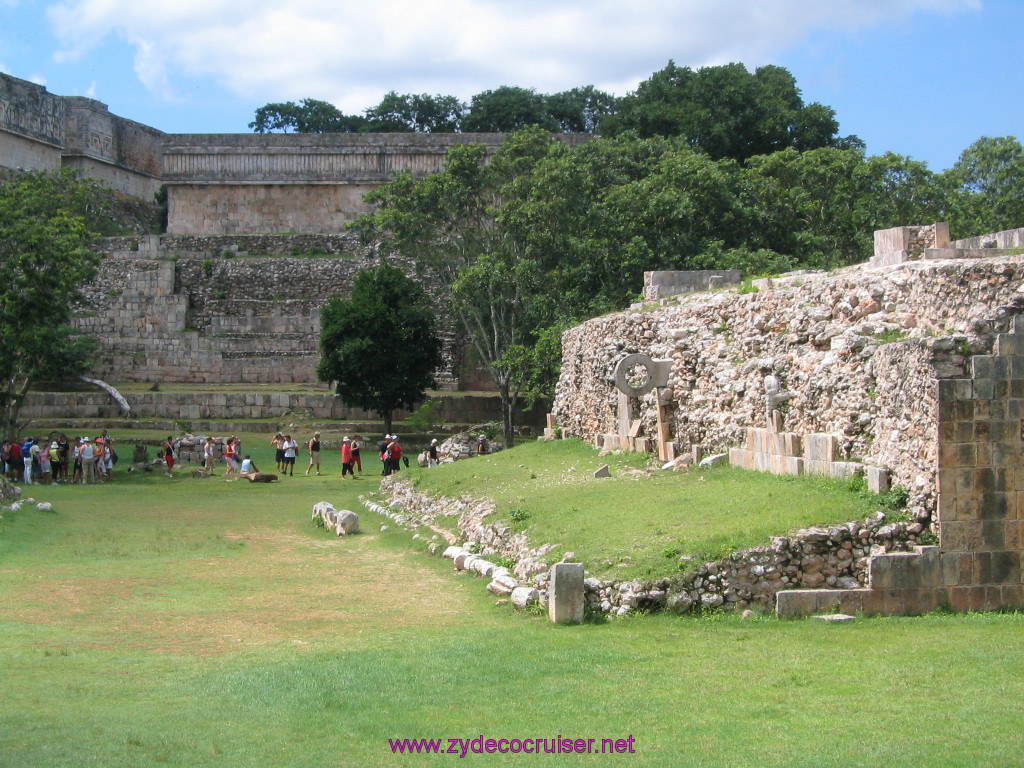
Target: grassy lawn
633 524
184 622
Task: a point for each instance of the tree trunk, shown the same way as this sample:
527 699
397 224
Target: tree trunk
11 411
507 404
387 422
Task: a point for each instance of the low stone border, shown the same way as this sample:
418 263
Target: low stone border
814 558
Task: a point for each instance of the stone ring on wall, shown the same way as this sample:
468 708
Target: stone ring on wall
637 374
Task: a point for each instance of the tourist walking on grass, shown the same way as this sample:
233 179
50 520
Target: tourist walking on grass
346 458
395 453
231 457
169 456
432 453
355 454
290 447
314 453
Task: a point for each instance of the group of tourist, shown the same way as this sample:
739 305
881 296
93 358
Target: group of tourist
87 461
60 460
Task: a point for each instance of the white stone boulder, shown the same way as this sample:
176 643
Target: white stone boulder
524 596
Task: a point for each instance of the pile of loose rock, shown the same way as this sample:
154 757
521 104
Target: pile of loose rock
462 446
189 448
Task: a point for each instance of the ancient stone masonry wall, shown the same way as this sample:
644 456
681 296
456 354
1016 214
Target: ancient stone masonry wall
1009 238
41 131
220 406
185 309
859 350
28 110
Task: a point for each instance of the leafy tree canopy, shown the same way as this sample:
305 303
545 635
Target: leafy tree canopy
380 346
986 187
445 223
309 116
416 112
44 260
727 111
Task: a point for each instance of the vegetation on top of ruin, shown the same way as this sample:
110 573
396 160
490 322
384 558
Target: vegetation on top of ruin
639 524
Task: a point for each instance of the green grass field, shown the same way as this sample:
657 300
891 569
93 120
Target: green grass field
185 622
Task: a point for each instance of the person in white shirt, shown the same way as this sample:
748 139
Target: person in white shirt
88 461
290 446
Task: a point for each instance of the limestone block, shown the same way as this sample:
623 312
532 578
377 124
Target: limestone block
503 585
346 522
321 510
791 603
565 593
523 597
603 472
794 465
820 447
842 470
897 570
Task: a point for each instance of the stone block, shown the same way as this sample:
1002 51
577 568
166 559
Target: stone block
893 602
740 457
878 479
950 567
565 593
930 566
1009 344
794 466
820 447
792 603
763 462
845 469
872 602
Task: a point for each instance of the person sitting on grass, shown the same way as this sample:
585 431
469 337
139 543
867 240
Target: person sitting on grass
249 466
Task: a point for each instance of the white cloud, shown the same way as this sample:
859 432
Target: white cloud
351 51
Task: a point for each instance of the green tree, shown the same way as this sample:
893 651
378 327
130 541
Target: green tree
44 261
445 223
580 110
986 187
420 112
507 109
726 111
310 116
380 346
597 216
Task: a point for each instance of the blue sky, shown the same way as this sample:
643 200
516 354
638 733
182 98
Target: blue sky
923 78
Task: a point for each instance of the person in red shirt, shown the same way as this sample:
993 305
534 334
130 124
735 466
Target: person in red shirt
347 459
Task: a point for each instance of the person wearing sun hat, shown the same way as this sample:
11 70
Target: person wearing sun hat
347 460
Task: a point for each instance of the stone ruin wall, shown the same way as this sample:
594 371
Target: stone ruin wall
219 183
860 349
202 310
917 369
40 131
314 183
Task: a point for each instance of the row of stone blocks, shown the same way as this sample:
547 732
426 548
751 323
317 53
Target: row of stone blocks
787 453
613 442
909 583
